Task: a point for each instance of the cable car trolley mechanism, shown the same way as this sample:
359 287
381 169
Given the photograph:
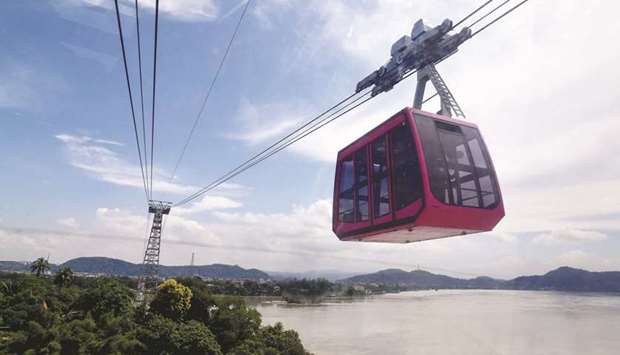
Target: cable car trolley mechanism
418 175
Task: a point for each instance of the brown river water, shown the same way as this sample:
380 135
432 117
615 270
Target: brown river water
457 322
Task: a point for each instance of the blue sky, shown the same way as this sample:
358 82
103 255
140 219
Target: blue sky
72 182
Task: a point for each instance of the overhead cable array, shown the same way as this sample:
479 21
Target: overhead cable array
139 44
133 114
338 110
144 148
209 90
154 96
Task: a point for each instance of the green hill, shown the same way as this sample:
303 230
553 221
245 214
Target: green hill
110 266
561 279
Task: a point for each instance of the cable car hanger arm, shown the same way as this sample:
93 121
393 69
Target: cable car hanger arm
420 51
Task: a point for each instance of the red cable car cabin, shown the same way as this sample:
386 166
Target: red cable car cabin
417 176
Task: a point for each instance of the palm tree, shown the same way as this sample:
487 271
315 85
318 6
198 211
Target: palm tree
64 277
39 266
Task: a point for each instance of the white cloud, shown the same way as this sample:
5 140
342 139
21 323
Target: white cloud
581 259
569 236
68 222
258 123
85 52
506 237
25 88
182 10
119 222
208 203
295 241
14 89
95 157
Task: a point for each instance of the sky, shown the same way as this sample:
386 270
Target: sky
542 85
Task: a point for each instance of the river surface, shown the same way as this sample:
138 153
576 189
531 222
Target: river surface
457 322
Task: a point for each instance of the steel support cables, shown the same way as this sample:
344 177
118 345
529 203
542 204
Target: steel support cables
498 18
210 89
154 89
141 90
133 114
146 172
489 13
277 146
472 13
308 128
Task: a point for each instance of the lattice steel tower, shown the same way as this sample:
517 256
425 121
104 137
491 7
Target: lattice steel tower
151 254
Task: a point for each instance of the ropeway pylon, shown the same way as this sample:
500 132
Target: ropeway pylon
150 264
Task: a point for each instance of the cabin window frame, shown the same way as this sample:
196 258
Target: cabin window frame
417 191
354 187
387 176
343 168
357 185
473 135
438 147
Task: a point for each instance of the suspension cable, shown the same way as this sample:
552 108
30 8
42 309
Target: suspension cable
498 18
154 87
489 13
206 98
141 91
472 13
231 174
281 144
133 114
283 139
266 153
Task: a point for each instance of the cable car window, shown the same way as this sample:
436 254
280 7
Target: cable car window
361 185
380 190
486 179
345 196
407 180
458 165
476 153
464 191
435 163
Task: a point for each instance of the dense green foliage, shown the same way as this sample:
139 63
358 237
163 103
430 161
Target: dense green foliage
305 290
40 266
172 299
73 315
64 277
244 287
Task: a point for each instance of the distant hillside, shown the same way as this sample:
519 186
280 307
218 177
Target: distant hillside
101 265
424 279
569 279
561 279
14 266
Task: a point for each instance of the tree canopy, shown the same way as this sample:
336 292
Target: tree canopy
99 316
40 266
172 299
64 277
